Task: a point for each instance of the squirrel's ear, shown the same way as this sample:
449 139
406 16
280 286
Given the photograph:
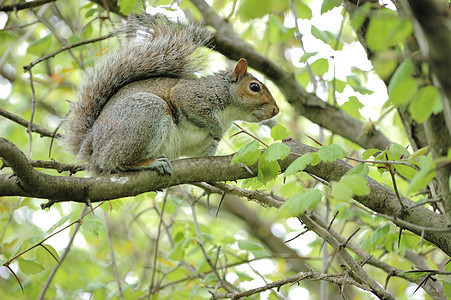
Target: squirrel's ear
240 69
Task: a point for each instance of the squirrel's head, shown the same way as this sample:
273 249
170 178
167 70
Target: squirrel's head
253 97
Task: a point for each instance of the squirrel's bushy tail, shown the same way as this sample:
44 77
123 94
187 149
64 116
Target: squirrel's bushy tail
153 46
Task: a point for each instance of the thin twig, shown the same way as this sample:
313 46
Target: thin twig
395 187
33 106
9 261
34 128
113 259
62 257
227 286
154 269
67 47
334 278
249 134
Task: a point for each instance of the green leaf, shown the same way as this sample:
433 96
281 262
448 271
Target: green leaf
315 158
447 288
403 72
330 153
267 169
379 235
303 77
244 277
279 132
299 164
357 86
303 10
299 203
75 38
352 107
44 258
60 222
249 154
41 45
34 239
339 85
405 171
94 286
320 67
425 103
253 9
359 169
250 245
356 183
276 151
418 153
400 32
385 62
403 92
30 267
277 31
424 176
319 34
261 254
329 4
384 30
92 226
449 182
368 153
6 37
130 6
398 151
306 56
86 32
177 253
341 192
327 37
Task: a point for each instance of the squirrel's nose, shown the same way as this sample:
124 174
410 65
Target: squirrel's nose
275 111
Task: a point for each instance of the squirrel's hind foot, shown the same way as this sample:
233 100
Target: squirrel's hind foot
162 165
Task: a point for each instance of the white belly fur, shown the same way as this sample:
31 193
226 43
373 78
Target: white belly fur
184 139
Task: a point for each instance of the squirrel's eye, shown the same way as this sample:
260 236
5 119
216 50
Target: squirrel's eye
255 87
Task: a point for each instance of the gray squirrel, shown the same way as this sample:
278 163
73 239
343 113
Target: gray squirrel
141 105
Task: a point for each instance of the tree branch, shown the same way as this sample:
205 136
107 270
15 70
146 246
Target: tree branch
334 278
34 128
355 268
434 37
24 5
29 182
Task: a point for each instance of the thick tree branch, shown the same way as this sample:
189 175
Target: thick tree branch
434 37
29 182
432 25
309 105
